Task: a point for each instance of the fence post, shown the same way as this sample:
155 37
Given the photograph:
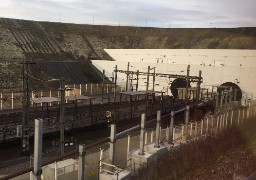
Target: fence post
167 133
32 96
158 121
243 117
112 143
128 145
74 88
12 100
142 135
101 157
1 101
81 165
196 130
231 118
50 95
202 126
80 89
173 135
221 121
91 88
248 111
191 128
182 133
170 140
86 87
146 137
41 95
37 171
217 125
186 122
152 137
207 126
212 124
56 171
226 119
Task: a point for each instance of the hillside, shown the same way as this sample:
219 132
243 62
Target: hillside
49 41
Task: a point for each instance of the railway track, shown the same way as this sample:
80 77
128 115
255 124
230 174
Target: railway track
81 115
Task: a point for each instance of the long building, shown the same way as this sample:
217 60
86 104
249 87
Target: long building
219 67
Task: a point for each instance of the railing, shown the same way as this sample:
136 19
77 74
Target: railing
13 100
114 169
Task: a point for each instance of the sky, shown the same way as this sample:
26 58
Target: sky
145 13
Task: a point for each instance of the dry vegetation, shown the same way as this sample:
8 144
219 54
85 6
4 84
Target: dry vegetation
233 151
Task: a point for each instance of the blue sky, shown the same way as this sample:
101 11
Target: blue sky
155 13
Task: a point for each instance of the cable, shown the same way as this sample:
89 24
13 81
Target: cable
36 78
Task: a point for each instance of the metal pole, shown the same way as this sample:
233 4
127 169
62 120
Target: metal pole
115 83
186 122
81 163
127 76
199 86
38 141
158 121
142 135
112 143
41 95
147 84
154 78
102 86
26 108
170 140
137 80
62 99
187 83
